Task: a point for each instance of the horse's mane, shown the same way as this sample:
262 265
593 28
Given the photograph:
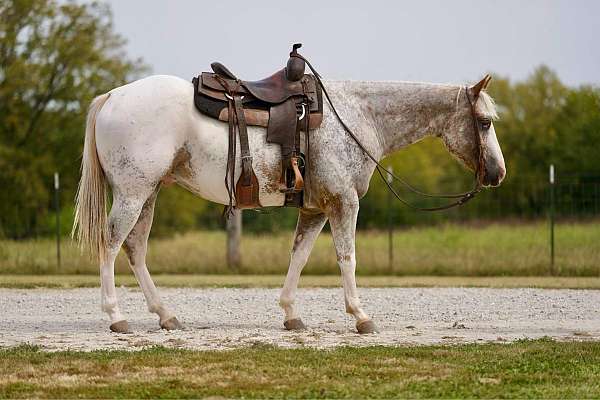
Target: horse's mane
487 105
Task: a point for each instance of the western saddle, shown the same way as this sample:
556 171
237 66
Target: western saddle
286 103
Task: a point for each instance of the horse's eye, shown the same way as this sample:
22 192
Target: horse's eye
485 123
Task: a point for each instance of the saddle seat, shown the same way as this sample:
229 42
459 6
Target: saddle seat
274 89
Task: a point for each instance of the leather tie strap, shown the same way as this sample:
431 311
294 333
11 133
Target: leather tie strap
230 170
244 145
245 192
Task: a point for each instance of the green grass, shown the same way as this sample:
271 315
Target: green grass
538 369
505 250
276 281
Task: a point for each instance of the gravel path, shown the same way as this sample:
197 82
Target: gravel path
229 318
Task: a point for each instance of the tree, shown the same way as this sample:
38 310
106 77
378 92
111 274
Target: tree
54 59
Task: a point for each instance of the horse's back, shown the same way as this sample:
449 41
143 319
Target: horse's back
163 97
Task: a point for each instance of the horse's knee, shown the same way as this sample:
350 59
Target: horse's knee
346 261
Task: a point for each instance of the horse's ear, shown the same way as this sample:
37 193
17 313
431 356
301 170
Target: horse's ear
481 85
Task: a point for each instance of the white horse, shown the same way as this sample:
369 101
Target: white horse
148 132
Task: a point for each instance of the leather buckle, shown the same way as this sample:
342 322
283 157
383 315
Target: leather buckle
303 112
231 98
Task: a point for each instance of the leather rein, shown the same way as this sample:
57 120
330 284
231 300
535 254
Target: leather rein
461 198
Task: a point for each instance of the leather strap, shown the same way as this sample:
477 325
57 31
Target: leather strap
231 153
244 145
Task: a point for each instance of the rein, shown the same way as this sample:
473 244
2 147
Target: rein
462 198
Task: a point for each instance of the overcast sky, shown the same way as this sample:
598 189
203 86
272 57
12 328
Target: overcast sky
434 41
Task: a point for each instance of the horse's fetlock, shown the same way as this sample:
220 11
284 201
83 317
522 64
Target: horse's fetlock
285 301
155 308
352 306
109 304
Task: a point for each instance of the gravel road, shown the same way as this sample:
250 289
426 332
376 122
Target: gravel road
230 318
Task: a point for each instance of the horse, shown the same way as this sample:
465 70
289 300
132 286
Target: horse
146 133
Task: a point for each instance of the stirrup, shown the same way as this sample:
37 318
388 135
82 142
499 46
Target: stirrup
298 180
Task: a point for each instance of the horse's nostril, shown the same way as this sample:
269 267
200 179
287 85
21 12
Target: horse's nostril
495 175
502 174
493 179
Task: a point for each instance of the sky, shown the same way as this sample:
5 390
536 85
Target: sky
454 41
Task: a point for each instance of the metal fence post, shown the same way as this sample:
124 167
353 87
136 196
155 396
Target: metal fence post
390 225
57 206
551 215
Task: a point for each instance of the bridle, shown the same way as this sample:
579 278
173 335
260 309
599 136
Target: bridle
461 198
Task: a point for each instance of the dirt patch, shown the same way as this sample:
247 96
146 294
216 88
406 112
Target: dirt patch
231 318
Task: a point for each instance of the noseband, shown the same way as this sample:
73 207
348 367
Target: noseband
461 198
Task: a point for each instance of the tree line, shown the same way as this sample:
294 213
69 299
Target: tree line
56 57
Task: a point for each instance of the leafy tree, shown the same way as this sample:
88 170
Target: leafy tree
577 137
54 59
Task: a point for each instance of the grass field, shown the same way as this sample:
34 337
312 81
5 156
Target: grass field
510 250
539 369
276 281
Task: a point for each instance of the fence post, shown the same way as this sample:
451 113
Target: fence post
57 206
551 216
390 225
234 235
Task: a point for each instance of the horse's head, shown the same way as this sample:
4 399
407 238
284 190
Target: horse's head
470 134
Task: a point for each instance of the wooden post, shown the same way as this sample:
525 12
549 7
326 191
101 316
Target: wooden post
234 236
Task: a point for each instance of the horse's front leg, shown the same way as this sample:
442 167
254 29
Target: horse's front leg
342 219
307 229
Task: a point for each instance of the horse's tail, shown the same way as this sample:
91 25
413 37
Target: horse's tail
90 225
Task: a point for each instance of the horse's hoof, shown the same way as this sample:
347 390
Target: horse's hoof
171 324
295 324
120 327
365 327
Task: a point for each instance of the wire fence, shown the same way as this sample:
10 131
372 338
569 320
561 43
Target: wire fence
501 248
523 198
575 197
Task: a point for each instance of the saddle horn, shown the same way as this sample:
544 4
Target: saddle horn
294 70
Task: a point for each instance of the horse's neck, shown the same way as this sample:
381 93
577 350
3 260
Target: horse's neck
404 112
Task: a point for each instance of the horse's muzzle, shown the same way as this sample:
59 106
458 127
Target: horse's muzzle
494 176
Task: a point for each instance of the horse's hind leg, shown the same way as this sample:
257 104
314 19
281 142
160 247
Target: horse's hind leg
136 246
308 228
123 215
